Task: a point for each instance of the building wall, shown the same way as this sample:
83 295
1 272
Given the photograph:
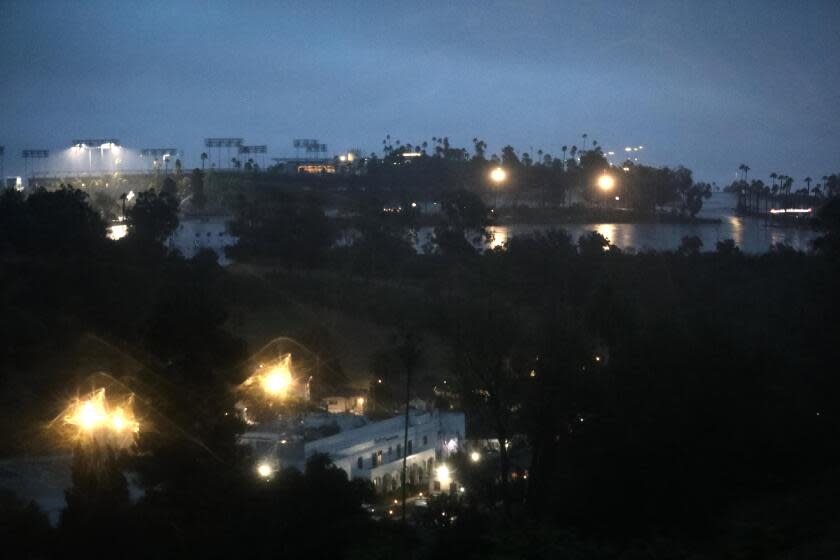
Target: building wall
375 451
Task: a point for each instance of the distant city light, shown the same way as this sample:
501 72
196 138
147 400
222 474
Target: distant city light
791 210
475 456
412 154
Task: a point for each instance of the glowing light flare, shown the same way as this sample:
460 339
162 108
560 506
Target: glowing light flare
95 416
442 473
117 232
606 182
475 456
498 175
275 379
264 470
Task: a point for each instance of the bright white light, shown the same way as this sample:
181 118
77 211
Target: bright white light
606 182
791 210
442 473
628 149
277 381
498 175
414 205
117 232
130 196
475 456
264 470
412 154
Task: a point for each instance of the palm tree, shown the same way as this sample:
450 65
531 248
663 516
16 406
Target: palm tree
585 136
563 149
808 186
746 169
203 159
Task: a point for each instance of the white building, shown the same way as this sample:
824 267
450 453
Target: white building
374 451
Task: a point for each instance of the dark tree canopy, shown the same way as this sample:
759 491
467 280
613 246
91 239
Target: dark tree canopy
153 217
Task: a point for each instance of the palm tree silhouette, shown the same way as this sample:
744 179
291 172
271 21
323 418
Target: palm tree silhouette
563 149
585 136
203 159
808 186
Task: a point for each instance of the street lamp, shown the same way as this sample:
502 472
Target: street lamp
606 183
498 175
265 470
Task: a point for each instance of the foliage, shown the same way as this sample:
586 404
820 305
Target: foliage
49 222
277 224
153 216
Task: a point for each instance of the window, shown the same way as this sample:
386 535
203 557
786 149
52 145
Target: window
425 440
408 447
378 457
390 450
360 463
399 450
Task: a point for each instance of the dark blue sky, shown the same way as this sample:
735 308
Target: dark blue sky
708 84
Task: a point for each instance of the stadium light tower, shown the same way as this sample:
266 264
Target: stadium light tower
160 154
33 154
220 143
90 144
262 149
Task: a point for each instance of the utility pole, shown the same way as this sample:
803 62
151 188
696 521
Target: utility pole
409 354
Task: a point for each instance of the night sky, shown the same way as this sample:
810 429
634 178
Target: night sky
708 84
